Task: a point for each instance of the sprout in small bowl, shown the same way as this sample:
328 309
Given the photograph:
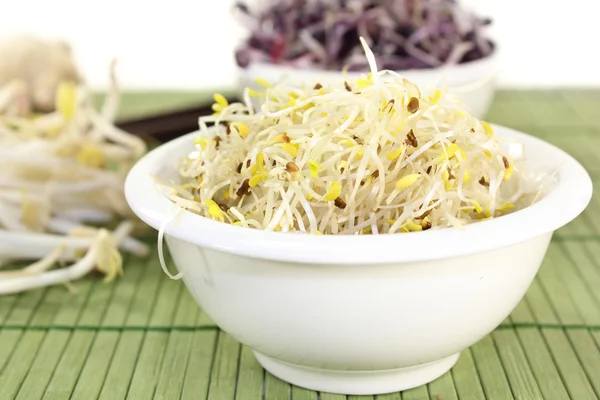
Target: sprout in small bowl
432 43
347 233
361 314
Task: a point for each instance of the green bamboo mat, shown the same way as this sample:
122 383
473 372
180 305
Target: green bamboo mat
143 337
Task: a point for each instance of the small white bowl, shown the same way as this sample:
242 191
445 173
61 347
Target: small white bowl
473 82
361 314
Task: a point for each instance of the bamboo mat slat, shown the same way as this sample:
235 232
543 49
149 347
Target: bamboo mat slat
143 336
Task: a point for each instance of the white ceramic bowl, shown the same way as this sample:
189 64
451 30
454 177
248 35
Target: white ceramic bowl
361 314
476 79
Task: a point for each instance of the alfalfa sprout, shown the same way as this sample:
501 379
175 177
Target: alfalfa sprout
370 156
61 177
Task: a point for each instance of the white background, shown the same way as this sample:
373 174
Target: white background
188 44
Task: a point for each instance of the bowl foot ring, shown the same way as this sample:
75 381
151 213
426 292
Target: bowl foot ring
357 382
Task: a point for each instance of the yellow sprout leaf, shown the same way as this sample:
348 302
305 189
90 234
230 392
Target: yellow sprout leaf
335 188
221 100
452 151
360 153
487 153
200 141
66 99
283 138
445 175
407 181
364 83
436 97
448 186
346 142
306 107
214 209
467 176
392 155
260 159
477 206
413 226
319 233
314 168
505 207
91 156
391 221
509 172
226 195
242 129
290 149
217 108
263 82
486 212
254 93
343 164
255 180
487 128
404 229
448 152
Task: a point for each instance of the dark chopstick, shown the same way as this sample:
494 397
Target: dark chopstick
164 127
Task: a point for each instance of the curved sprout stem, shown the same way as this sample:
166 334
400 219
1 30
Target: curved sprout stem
101 253
161 254
37 267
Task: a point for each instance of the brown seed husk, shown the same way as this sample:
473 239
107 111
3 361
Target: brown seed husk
413 105
411 139
244 189
339 203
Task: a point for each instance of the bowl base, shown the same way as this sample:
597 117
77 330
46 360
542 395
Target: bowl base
357 382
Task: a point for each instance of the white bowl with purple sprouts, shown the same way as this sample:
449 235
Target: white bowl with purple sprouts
434 44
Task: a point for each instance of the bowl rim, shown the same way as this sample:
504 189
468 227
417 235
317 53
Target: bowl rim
562 204
477 67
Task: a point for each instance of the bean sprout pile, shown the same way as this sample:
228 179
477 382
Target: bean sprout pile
61 175
370 156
